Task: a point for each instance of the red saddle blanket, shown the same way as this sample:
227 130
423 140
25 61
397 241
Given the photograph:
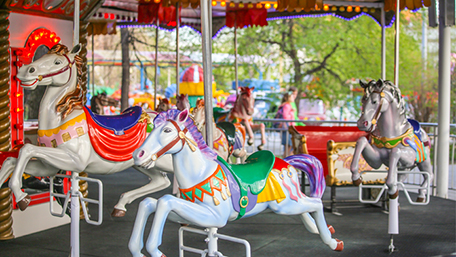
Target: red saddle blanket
112 147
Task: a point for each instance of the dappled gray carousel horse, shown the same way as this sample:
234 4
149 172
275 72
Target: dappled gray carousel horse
396 141
72 137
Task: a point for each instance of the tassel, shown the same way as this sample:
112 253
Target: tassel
223 196
228 191
216 201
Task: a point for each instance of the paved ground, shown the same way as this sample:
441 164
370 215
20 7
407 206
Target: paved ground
424 231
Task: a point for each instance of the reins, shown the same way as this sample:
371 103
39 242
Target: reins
377 112
60 71
181 136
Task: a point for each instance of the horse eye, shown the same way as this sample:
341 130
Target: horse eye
57 62
167 130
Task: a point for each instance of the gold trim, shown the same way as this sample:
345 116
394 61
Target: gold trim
144 117
386 141
243 198
66 137
297 140
50 132
334 148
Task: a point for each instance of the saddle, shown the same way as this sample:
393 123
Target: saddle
118 123
416 128
251 178
229 130
220 114
114 138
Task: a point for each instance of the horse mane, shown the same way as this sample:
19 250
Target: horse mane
73 100
172 115
386 86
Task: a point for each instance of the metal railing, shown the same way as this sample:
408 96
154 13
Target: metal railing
274 144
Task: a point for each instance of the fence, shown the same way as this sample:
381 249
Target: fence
274 144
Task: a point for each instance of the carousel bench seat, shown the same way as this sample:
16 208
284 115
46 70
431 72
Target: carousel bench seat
334 147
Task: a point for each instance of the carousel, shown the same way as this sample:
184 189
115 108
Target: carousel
50 141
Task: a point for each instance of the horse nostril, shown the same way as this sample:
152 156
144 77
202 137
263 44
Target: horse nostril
32 70
141 153
366 123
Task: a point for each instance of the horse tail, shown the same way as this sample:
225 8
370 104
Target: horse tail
313 169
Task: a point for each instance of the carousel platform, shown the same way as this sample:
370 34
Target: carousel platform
424 230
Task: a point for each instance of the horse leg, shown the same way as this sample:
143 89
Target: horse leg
59 159
391 180
369 153
250 141
145 209
260 127
425 166
325 233
7 168
158 182
202 215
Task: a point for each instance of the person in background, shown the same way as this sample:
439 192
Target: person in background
286 112
294 91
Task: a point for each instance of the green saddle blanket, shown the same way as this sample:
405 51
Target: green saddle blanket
252 174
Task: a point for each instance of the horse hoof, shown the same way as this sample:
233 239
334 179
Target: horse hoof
24 203
340 245
260 147
357 182
116 213
420 200
250 142
395 195
331 229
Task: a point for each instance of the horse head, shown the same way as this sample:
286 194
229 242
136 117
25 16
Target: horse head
163 105
54 68
199 114
173 130
245 100
182 102
377 99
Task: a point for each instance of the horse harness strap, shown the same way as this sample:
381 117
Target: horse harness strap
180 136
57 72
377 112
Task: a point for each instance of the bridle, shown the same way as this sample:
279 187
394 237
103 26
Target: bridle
379 108
181 136
57 72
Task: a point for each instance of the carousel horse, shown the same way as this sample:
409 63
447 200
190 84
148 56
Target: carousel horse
98 102
397 142
229 138
101 100
182 102
72 137
242 112
215 192
163 105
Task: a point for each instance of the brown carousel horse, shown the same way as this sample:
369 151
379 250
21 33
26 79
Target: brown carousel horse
242 112
163 105
99 101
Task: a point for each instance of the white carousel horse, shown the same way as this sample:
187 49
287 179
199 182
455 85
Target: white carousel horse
229 138
74 140
215 192
395 141
242 112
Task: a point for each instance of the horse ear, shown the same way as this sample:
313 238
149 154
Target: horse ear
76 49
182 116
362 84
251 89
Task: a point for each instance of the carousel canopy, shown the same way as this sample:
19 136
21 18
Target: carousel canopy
242 13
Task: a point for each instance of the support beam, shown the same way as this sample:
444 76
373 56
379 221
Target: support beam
443 147
125 41
396 45
236 77
177 49
156 66
207 65
383 58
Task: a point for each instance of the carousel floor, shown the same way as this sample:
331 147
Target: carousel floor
424 230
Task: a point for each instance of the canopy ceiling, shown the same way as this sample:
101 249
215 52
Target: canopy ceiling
125 12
